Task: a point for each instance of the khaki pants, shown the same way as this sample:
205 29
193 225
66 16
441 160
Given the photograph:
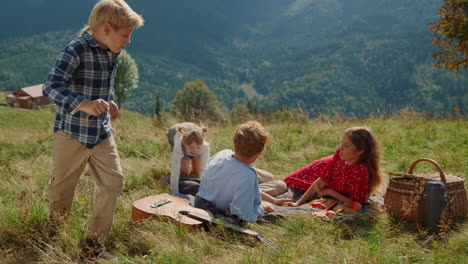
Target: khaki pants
268 184
70 159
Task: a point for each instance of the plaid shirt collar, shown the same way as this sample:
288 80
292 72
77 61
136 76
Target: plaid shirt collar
93 43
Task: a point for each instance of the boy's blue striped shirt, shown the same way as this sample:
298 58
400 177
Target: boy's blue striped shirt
84 70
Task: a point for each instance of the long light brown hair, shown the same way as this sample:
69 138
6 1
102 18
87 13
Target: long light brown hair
363 139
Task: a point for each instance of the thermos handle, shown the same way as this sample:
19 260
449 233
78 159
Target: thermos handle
441 172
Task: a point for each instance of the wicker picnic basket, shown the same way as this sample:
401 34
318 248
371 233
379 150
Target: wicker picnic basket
404 193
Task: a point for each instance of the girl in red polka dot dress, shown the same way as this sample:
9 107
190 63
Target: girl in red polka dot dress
350 175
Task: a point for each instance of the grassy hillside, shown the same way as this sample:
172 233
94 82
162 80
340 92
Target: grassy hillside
25 165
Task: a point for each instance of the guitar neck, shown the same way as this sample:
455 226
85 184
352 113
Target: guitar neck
212 220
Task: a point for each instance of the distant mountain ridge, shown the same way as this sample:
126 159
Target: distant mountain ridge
354 57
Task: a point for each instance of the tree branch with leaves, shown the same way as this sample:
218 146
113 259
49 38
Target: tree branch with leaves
451 35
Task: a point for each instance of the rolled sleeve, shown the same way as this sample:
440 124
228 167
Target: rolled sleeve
205 154
57 85
177 155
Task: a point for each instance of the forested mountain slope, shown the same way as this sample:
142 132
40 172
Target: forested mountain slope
355 57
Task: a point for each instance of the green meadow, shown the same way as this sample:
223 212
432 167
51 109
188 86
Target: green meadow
26 235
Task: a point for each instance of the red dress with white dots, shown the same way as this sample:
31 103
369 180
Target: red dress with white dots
352 181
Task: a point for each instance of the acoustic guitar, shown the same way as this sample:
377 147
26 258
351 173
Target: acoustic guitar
178 211
166 207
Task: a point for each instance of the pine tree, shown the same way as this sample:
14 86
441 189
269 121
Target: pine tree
158 105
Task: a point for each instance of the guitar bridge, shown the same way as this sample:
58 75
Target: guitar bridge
160 203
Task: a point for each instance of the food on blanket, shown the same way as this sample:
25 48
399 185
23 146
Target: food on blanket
322 203
356 206
376 207
339 208
344 209
316 204
319 214
330 214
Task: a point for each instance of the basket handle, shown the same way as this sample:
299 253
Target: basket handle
441 172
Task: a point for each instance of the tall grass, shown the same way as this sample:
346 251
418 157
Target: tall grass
26 235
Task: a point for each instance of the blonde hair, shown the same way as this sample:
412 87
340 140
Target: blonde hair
192 133
115 12
364 139
250 139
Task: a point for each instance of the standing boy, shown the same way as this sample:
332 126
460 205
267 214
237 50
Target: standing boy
229 183
81 84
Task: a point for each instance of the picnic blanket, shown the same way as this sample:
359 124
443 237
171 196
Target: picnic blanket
305 209
372 206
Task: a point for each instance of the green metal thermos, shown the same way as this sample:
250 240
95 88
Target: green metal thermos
434 204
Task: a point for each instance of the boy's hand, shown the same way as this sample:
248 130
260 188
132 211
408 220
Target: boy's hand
95 107
114 110
290 204
268 207
281 201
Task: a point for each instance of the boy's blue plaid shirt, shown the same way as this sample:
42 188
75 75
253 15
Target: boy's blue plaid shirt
84 70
